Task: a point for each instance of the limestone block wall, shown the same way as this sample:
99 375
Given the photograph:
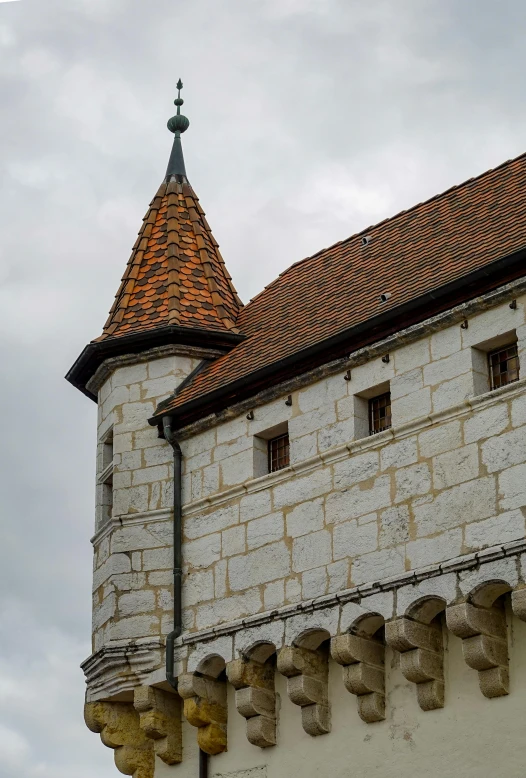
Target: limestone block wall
131 585
446 480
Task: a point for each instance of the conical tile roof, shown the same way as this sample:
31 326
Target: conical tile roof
175 275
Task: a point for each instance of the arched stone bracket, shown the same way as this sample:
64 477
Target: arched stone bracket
307 672
205 707
118 726
255 698
484 644
518 603
160 719
421 658
363 660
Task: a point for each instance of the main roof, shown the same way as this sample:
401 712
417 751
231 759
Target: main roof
330 303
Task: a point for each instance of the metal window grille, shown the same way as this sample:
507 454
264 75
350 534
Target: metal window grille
503 366
379 413
278 453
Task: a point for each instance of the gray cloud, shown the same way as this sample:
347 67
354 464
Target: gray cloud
310 119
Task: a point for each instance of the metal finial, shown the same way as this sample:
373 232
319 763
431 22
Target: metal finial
178 123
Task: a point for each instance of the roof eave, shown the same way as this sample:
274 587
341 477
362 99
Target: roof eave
96 352
372 330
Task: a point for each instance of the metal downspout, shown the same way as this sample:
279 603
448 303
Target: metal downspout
177 553
178 571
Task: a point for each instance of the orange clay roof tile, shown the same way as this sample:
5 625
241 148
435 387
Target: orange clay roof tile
166 280
415 252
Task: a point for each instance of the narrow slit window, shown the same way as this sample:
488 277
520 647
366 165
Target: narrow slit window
105 480
278 453
380 413
503 366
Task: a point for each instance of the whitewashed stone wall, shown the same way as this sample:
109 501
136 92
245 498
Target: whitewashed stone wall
446 480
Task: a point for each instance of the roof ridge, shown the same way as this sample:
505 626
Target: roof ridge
385 221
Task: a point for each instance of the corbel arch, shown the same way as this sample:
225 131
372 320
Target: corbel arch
361 652
418 636
305 664
480 622
252 676
205 702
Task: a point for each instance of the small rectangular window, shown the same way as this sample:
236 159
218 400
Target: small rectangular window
278 453
379 413
503 366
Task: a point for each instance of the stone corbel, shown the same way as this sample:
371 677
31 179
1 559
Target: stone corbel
118 726
205 707
255 698
421 650
307 672
484 644
160 720
518 603
363 672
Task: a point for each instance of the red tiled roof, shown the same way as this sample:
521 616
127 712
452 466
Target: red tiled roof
409 255
175 275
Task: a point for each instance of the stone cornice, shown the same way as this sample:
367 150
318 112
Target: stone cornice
120 666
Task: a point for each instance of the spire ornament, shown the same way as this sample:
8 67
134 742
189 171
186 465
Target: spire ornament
177 124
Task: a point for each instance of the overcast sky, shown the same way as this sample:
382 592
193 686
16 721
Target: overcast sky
309 120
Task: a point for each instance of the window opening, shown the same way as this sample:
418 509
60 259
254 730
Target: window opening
278 453
503 366
106 479
379 413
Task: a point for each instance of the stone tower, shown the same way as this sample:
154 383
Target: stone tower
310 545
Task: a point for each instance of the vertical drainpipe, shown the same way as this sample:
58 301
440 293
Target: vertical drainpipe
178 571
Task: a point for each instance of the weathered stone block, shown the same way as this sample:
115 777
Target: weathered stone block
429 551
302 488
351 540
203 552
439 438
486 423
457 466
265 530
504 451
254 505
133 603
378 565
358 501
414 355
500 529
462 504
399 454
411 406
260 566
197 526
312 550
305 518
453 392
356 468
412 481
394 526
512 487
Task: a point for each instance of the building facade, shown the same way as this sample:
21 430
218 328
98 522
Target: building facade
310 546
